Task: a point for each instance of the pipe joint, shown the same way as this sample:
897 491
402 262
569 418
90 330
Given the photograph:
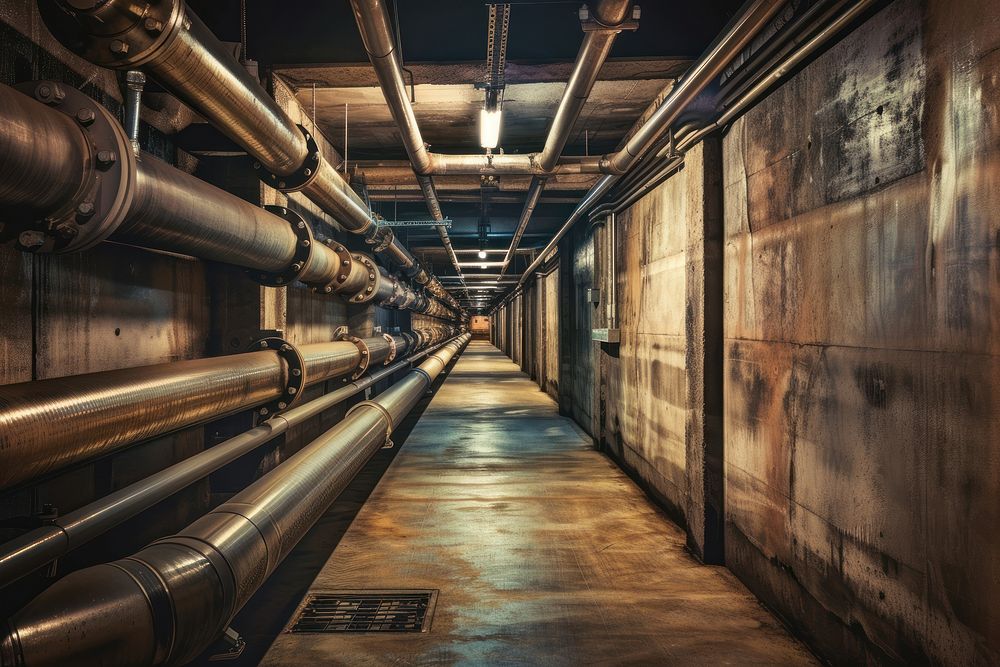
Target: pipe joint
106 188
302 177
118 34
389 426
363 350
295 374
304 244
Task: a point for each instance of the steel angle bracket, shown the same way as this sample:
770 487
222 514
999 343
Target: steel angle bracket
295 376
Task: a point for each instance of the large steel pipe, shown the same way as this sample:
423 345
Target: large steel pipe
168 40
45 157
167 602
46 425
69 531
163 208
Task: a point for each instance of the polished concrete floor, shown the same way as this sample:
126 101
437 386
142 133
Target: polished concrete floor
542 551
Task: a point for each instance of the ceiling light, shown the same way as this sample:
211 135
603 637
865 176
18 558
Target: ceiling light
482 266
482 254
489 127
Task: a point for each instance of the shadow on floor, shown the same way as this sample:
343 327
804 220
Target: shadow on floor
264 616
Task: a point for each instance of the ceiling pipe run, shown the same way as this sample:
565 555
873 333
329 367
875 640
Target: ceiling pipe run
593 52
169 601
753 16
375 27
170 42
376 32
43 545
689 138
99 189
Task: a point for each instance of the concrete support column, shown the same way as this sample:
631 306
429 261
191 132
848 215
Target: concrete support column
703 355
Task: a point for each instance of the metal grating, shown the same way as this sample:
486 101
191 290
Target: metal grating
366 611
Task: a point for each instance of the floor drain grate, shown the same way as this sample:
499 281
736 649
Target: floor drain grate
366 611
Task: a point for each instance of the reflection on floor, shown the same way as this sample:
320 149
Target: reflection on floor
542 551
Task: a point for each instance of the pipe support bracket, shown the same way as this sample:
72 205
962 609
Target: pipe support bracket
385 413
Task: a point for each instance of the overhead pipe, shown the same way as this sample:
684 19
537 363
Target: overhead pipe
70 531
376 33
168 40
169 601
753 16
105 191
738 106
609 15
47 425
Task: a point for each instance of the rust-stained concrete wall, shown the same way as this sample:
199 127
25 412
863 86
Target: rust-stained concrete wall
852 344
861 405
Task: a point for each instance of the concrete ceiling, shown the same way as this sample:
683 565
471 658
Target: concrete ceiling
448 116
315 47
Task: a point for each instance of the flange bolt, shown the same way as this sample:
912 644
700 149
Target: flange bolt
86 116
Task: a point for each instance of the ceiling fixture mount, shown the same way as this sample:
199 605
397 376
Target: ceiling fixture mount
496 63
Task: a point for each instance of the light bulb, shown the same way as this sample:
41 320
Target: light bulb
482 254
489 128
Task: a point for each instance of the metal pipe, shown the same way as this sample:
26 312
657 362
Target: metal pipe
70 531
376 33
167 209
44 159
135 82
170 41
593 52
753 16
46 425
170 600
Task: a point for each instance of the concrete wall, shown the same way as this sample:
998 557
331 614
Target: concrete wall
527 330
861 406
829 335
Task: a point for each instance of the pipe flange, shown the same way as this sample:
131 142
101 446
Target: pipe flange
303 247
380 239
295 376
385 413
368 293
102 202
344 260
366 356
392 348
108 35
302 176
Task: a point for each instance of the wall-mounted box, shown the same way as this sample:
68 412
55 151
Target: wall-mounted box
594 295
606 335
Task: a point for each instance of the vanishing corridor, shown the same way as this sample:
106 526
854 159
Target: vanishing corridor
542 551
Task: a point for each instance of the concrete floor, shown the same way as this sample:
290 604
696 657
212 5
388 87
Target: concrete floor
542 550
